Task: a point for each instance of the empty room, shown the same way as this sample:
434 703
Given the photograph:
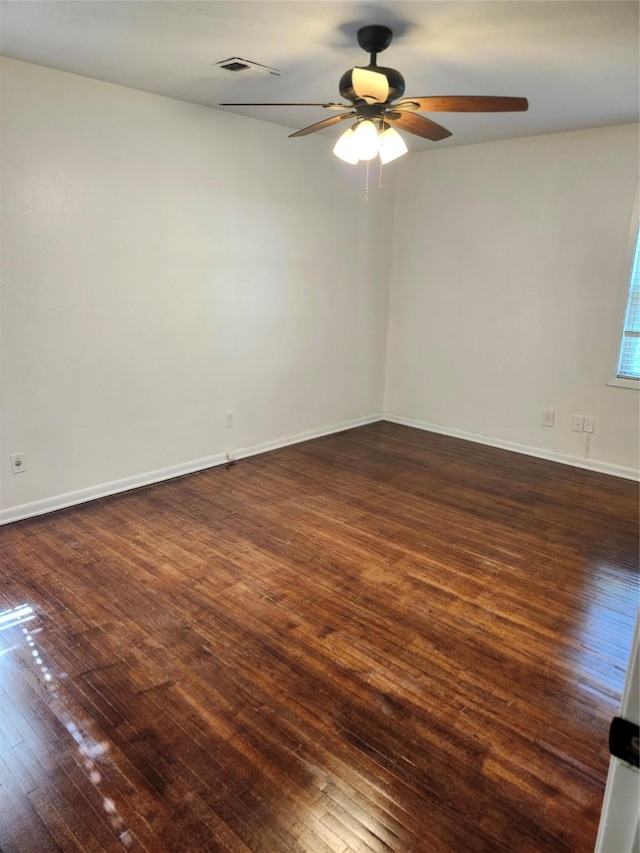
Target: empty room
320 434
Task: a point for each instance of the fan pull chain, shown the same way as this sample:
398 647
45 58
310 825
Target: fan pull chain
380 177
366 184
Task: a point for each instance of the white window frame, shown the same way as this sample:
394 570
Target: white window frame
615 380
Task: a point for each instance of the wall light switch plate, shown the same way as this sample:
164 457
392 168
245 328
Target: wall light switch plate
589 424
578 423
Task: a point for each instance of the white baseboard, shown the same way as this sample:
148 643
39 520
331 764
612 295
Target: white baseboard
245 452
527 450
103 490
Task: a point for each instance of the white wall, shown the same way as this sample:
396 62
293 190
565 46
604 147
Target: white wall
164 263
508 261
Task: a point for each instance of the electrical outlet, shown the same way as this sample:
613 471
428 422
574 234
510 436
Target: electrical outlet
578 423
548 416
228 419
589 424
17 463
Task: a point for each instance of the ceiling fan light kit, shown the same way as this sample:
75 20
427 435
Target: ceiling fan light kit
367 141
377 103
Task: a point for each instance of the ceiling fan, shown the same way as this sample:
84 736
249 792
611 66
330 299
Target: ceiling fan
377 107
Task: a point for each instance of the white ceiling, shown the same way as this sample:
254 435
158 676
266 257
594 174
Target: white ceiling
575 60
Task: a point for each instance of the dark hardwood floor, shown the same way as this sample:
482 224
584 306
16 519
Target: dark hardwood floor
383 640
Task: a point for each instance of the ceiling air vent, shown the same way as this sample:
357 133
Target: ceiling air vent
245 68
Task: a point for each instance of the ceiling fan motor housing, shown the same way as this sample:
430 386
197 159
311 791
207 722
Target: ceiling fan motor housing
394 79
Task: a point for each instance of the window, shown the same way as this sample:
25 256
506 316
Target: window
624 353
629 356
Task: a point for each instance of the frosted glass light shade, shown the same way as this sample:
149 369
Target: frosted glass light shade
392 145
371 86
346 147
366 138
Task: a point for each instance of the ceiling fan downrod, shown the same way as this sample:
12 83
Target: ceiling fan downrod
374 39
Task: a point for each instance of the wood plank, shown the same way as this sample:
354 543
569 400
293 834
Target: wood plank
382 640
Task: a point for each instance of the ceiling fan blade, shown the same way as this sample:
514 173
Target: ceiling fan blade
419 125
465 104
261 104
320 125
371 86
